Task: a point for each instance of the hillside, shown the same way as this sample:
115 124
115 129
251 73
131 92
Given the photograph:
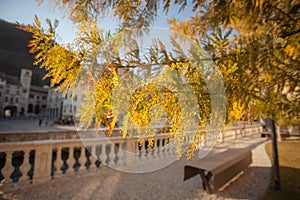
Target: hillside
14 53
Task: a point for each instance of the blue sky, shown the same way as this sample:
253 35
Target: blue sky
23 11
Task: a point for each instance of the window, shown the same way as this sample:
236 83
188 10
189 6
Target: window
1 86
6 99
7 91
31 96
44 97
30 108
18 92
0 94
11 99
24 91
37 97
27 72
37 109
17 100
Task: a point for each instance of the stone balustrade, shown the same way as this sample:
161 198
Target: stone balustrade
36 162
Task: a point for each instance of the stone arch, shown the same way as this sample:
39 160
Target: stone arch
10 111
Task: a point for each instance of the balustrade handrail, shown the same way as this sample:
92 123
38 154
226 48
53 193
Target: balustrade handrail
44 160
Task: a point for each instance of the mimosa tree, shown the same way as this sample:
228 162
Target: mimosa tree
253 46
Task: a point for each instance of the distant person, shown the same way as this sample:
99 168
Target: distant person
46 122
40 121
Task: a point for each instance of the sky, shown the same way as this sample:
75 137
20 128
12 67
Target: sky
23 11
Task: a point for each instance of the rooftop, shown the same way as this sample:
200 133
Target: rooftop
13 80
38 89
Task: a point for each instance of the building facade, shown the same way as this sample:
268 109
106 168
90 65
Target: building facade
54 104
71 106
18 98
10 92
37 101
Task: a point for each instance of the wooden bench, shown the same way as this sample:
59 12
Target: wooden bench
217 169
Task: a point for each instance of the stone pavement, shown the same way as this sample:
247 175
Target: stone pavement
166 183
30 125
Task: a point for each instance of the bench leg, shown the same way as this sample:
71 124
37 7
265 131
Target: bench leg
205 181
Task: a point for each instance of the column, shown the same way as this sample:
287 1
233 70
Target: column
42 164
70 162
103 155
93 159
112 155
24 168
131 150
82 161
58 163
143 150
158 148
120 154
7 171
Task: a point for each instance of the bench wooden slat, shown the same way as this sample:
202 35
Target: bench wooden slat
232 170
221 166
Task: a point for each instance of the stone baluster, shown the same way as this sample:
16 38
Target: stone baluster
82 161
163 147
143 151
170 150
151 150
147 149
221 137
58 163
7 171
112 155
167 146
154 150
103 156
24 168
158 148
191 139
123 153
187 139
235 133
93 159
71 162
120 154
